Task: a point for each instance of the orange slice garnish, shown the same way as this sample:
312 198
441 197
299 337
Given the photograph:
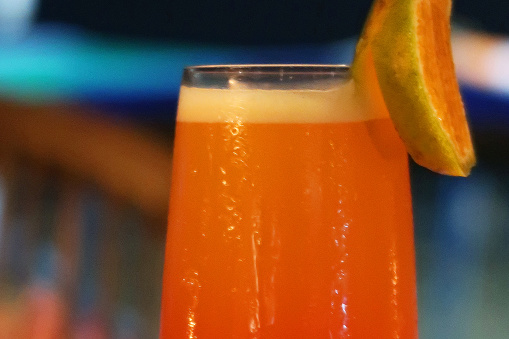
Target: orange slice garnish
404 62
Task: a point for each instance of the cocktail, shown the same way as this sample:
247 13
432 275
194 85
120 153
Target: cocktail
290 211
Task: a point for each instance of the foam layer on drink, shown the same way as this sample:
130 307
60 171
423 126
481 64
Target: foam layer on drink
336 104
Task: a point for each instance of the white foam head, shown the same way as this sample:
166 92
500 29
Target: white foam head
272 94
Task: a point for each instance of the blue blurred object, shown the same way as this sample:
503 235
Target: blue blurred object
61 63
16 18
462 254
487 110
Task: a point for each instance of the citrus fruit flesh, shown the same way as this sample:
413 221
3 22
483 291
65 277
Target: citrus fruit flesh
404 62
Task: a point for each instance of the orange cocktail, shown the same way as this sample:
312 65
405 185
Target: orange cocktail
290 212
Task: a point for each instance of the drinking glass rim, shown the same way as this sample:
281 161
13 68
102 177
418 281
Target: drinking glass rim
265 76
269 68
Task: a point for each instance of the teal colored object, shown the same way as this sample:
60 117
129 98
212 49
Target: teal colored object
59 63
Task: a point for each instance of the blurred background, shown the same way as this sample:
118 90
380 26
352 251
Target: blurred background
88 94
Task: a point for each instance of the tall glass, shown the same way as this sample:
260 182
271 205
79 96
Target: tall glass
290 210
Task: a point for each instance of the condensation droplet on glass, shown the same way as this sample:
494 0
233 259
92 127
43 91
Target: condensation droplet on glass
191 279
256 236
234 131
253 326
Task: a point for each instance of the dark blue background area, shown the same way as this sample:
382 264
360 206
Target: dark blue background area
243 21
488 111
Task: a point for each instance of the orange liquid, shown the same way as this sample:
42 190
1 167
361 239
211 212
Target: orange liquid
298 230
